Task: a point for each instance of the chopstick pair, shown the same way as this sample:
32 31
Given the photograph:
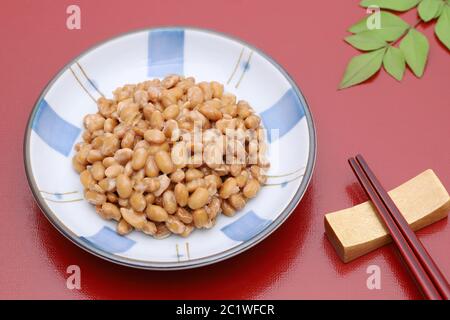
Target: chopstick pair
430 279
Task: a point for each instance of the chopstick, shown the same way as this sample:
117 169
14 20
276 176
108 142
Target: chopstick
418 272
416 245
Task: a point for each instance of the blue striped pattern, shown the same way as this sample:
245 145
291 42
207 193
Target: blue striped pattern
283 115
245 227
109 241
54 130
166 52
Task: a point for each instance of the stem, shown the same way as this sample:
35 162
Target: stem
406 31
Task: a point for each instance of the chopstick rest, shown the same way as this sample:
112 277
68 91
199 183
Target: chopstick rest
358 230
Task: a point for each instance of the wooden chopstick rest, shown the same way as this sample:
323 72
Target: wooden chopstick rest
358 230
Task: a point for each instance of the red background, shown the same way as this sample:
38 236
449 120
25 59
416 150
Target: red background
401 128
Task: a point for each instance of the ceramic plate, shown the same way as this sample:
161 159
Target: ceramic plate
55 125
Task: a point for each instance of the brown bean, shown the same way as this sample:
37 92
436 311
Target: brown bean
200 217
122 156
120 130
171 112
164 162
130 114
228 98
242 178
109 125
227 209
252 122
244 109
155 148
251 188
81 156
170 81
187 230
123 227
179 154
210 109
98 171
213 208
112 197
228 110
184 215
135 219
181 194
86 178
156 213
195 184
125 203
110 145
123 185
235 169
161 231
154 136
193 174
87 137
139 159
113 171
171 96
108 162
94 156
195 96
171 130
140 97
152 184
258 174
169 202
177 176
206 89
107 184
154 93
199 198
157 120
175 225
164 183
93 122
217 89
142 144
213 179
237 201
77 166
149 198
95 198
128 139
149 228
228 188
137 202
151 169
110 211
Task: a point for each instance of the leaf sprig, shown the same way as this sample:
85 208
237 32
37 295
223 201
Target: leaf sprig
379 44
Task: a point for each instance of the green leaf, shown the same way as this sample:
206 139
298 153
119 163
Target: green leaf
365 41
394 62
439 11
442 28
362 67
415 49
428 9
391 26
396 5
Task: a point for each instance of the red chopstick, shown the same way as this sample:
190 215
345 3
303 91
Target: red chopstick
421 277
421 253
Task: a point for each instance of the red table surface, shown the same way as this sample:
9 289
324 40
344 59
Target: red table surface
401 128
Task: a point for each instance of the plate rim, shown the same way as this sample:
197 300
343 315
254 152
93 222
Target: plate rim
179 265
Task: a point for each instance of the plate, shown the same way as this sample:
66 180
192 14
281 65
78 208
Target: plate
55 125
